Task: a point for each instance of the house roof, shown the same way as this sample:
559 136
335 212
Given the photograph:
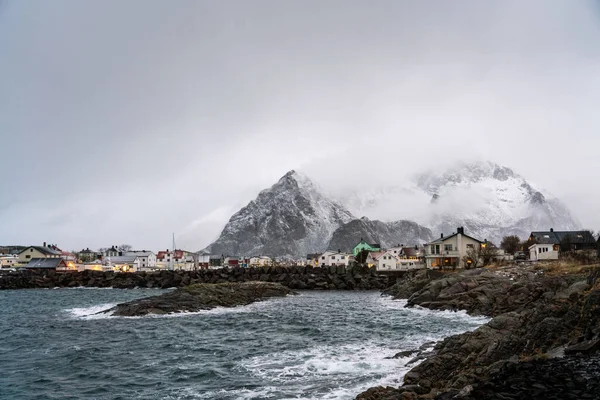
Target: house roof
44 250
87 251
46 263
409 251
139 253
556 237
390 253
376 254
333 252
374 245
123 259
443 239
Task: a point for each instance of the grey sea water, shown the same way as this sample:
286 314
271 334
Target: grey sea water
318 345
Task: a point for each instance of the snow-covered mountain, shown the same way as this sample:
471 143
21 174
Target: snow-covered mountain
489 200
388 234
292 218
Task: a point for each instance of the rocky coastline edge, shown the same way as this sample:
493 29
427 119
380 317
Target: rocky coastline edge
542 341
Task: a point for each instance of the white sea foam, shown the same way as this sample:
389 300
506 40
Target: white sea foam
460 315
330 364
257 393
91 312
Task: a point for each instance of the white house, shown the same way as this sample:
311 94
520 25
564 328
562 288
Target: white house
203 260
112 252
147 259
8 260
543 252
94 266
405 264
450 251
334 258
386 261
260 261
123 263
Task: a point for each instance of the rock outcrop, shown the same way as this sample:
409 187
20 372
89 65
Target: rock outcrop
203 296
537 317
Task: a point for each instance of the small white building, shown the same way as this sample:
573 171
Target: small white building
111 252
147 259
261 261
123 263
334 258
203 260
543 252
8 260
94 266
386 261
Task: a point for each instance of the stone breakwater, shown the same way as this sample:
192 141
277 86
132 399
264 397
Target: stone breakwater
301 278
542 341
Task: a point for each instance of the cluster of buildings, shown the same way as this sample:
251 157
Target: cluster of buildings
49 256
122 259
456 250
398 258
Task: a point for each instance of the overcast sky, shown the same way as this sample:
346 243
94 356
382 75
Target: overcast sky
125 121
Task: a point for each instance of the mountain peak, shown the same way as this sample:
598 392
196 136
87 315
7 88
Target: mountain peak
296 180
465 173
292 218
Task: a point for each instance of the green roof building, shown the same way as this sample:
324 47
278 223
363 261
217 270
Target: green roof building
362 245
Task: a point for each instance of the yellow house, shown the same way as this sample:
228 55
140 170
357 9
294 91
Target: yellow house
37 252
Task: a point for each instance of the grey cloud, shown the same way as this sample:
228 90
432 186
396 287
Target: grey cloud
125 121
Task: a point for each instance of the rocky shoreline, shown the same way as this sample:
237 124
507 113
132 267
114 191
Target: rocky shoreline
203 296
300 278
540 343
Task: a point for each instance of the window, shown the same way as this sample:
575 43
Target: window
437 249
470 246
343 257
27 256
322 258
31 250
431 249
447 247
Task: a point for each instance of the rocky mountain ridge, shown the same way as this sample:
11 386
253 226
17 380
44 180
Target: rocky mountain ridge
387 234
294 217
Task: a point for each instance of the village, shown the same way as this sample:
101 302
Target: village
455 250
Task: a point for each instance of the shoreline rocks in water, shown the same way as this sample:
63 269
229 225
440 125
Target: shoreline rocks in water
538 317
199 297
